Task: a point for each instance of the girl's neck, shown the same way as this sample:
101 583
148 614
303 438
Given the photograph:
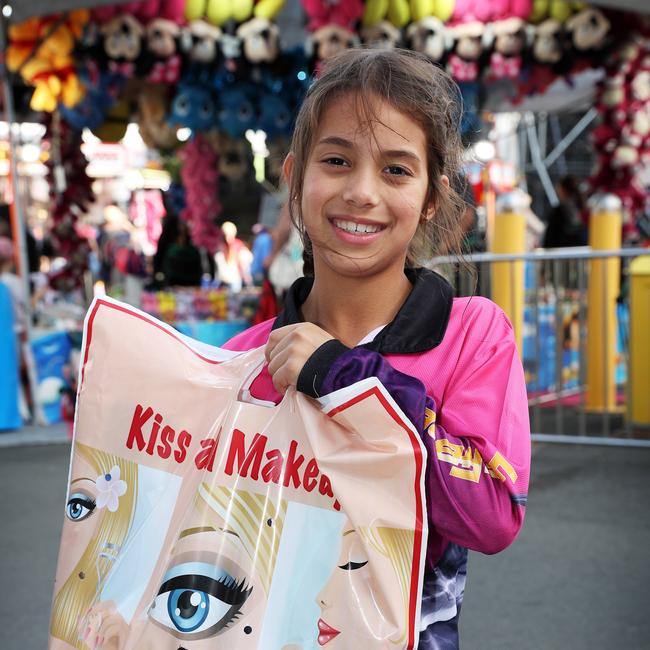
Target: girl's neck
349 308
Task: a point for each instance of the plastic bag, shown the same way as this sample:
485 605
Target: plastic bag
196 518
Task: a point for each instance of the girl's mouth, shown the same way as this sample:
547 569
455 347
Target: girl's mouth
325 632
355 231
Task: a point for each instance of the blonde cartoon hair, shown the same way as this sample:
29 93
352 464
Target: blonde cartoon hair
79 593
396 544
256 519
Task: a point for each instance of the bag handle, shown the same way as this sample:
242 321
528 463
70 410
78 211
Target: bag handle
253 362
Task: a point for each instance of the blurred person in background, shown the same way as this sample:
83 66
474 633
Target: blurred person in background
181 263
566 221
262 247
233 259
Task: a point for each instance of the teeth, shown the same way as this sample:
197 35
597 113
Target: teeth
351 226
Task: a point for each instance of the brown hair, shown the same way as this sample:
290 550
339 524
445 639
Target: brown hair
413 85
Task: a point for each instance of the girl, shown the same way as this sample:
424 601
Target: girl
373 162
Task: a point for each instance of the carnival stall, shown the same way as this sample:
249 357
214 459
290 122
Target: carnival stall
187 106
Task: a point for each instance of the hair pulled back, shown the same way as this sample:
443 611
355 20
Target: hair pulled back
411 84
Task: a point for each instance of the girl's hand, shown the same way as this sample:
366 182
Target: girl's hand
288 349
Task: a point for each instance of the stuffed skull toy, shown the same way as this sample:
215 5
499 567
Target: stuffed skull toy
383 35
260 40
428 36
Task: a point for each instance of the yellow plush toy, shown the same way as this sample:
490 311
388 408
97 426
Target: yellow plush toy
42 50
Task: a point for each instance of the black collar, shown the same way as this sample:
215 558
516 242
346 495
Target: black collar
419 325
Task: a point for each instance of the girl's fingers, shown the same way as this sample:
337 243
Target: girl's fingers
278 337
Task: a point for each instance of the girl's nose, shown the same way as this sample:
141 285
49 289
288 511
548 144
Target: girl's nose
361 189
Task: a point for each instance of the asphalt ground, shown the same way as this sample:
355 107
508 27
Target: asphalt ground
578 576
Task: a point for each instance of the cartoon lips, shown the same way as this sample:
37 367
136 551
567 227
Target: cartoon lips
326 633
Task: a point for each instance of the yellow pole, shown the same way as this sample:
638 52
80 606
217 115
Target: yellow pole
639 372
603 290
508 277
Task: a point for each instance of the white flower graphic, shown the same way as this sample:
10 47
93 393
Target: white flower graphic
109 489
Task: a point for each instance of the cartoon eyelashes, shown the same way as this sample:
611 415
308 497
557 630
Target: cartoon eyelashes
197 600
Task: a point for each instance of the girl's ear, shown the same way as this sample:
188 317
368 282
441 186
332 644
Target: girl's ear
287 168
433 204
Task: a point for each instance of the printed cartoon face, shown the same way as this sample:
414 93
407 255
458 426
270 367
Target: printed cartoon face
214 586
363 191
352 603
82 516
209 590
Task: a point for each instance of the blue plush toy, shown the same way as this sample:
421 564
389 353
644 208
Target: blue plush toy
276 116
237 110
193 107
103 89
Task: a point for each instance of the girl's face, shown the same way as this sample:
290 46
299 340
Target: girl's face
351 606
364 188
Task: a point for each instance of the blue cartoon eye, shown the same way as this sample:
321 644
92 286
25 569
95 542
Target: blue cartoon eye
79 506
192 603
182 106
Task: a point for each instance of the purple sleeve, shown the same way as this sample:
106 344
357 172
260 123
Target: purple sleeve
475 497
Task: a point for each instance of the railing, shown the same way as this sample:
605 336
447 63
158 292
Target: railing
571 312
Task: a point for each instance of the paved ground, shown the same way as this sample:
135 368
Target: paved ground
578 576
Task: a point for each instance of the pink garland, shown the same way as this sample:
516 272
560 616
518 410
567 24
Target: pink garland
200 176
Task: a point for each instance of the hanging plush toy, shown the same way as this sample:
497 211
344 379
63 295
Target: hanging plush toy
235 161
162 37
549 42
153 104
42 50
123 40
332 24
69 201
396 12
237 110
383 35
589 32
200 177
508 45
193 107
429 36
466 60
103 89
275 115
200 42
260 40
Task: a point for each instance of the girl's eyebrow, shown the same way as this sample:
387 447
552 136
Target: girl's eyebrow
391 153
337 141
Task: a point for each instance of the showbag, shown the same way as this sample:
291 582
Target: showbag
200 518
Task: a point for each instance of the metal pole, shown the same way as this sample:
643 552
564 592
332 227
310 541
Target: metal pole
582 318
17 212
577 129
559 346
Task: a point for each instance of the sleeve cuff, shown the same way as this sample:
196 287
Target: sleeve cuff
315 370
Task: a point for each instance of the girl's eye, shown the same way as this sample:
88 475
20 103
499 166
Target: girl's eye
396 170
79 506
338 162
351 566
191 604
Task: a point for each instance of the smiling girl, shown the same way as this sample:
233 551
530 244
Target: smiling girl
373 162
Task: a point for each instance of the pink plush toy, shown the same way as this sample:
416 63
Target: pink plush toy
344 13
143 11
486 12
200 176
